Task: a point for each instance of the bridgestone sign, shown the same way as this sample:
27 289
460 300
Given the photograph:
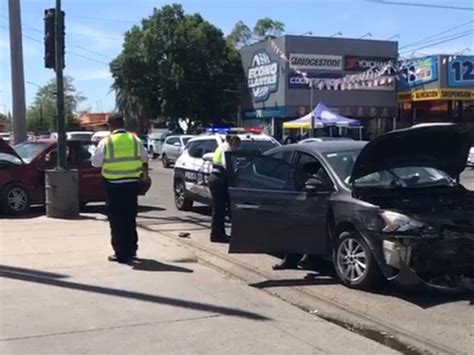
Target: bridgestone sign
262 76
316 61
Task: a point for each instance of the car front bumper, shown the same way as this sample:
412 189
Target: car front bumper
441 264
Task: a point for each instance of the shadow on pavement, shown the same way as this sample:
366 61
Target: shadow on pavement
154 220
40 277
308 280
154 265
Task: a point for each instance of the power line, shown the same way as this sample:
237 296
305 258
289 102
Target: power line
89 17
421 43
440 42
436 35
446 7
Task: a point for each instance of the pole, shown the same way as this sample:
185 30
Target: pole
62 161
311 108
17 73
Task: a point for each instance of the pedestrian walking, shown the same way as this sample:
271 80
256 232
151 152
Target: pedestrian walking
219 189
124 161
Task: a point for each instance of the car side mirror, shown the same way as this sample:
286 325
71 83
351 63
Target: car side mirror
314 185
208 157
177 144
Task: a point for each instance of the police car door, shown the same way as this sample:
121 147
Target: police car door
268 214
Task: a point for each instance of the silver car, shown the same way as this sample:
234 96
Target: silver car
172 149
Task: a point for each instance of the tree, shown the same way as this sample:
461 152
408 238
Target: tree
176 65
264 29
42 112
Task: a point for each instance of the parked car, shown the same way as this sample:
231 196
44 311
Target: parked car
193 167
22 174
470 159
389 209
155 142
172 148
324 139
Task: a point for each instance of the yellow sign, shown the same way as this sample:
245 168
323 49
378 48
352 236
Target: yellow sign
436 94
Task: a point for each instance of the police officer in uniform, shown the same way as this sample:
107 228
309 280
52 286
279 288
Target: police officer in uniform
124 161
219 189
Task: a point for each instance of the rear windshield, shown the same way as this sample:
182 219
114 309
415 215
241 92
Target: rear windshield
258 146
29 151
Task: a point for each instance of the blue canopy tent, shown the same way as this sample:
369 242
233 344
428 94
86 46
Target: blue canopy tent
331 119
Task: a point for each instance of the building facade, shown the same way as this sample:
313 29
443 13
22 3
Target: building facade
276 92
437 88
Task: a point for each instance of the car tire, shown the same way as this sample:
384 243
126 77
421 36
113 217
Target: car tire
182 202
354 263
15 200
165 161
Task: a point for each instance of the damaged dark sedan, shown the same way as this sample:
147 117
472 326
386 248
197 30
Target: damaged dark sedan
389 209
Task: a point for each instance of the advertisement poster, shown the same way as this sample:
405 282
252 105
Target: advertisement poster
316 62
418 72
262 76
461 72
358 64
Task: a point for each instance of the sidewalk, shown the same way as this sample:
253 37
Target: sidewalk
59 294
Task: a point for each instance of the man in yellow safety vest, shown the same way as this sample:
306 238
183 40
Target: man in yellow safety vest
124 161
219 189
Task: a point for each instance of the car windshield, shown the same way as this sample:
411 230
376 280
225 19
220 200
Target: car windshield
28 151
343 163
406 177
258 146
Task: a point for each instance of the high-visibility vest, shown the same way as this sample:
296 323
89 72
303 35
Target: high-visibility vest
218 158
122 159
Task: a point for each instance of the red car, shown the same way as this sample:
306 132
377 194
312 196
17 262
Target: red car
22 173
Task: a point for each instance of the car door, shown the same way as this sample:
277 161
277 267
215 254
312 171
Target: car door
271 211
172 148
91 186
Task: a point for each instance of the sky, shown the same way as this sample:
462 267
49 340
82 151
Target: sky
95 28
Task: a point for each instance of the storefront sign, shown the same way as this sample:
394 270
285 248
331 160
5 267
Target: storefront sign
436 94
296 81
461 72
418 72
262 76
315 61
266 112
354 63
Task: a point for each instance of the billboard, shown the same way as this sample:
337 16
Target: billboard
262 77
461 72
358 63
418 72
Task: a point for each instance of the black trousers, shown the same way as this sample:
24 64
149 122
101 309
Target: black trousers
220 203
122 205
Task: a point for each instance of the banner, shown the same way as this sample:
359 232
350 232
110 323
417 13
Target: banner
436 94
461 72
315 62
262 77
334 82
417 72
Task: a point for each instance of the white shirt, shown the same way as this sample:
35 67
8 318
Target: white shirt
97 159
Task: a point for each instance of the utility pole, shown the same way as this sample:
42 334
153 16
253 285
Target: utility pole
62 184
17 73
59 40
311 83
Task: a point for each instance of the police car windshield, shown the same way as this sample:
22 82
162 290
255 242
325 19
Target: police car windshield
259 146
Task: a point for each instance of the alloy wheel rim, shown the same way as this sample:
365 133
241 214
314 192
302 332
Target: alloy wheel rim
179 192
17 199
352 260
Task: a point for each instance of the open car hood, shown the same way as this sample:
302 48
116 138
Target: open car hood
8 149
444 146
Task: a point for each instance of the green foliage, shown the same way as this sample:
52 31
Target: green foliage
176 65
42 112
264 29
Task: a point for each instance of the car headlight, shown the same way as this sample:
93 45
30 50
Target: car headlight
397 222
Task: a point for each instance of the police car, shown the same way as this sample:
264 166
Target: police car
193 167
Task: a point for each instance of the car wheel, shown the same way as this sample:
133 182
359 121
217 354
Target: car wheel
354 263
15 199
165 161
181 201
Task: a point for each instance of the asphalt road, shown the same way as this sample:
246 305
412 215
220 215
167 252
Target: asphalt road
445 319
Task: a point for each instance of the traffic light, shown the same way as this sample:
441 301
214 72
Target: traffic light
50 38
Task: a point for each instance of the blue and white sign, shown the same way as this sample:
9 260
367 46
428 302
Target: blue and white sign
262 76
461 72
417 72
